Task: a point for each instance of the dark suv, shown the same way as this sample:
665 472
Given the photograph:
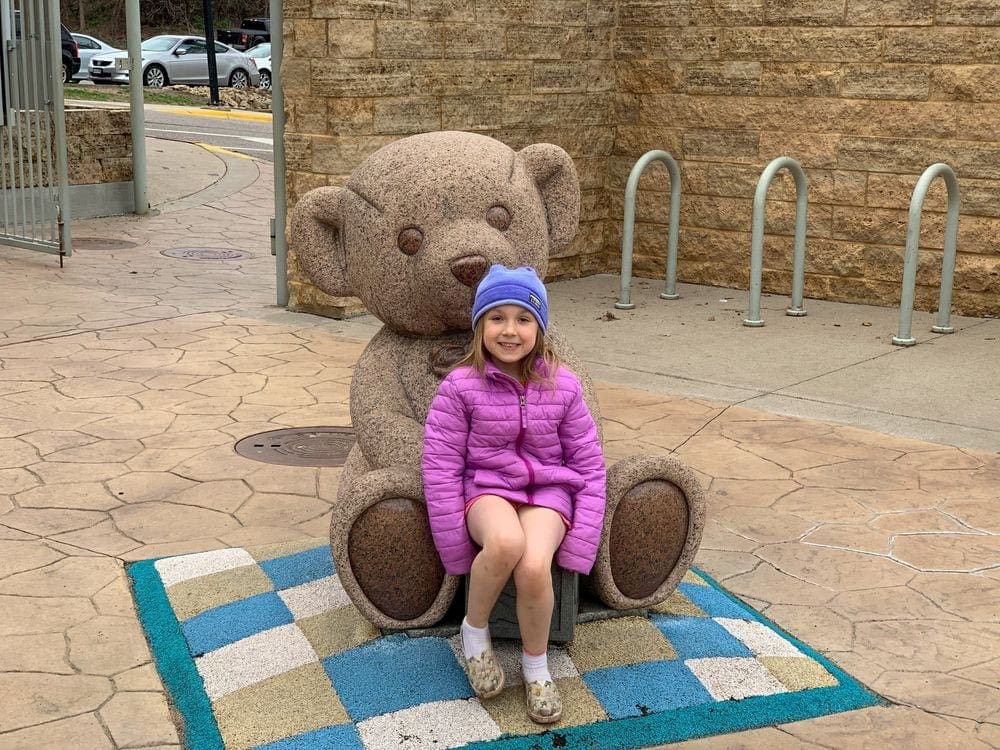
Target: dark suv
70 49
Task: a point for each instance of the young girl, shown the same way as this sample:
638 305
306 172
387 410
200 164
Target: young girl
513 476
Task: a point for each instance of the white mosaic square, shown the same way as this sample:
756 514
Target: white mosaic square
509 653
315 597
757 637
253 659
734 678
441 724
176 569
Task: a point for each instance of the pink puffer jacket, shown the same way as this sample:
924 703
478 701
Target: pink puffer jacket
535 444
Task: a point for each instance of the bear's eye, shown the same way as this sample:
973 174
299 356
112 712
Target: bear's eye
498 217
410 240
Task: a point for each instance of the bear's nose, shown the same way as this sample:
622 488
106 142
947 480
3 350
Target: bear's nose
469 269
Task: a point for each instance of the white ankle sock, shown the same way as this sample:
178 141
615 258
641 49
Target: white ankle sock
535 668
474 640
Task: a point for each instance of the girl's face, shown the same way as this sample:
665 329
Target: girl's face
509 335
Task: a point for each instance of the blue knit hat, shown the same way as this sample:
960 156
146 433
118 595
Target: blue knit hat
512 286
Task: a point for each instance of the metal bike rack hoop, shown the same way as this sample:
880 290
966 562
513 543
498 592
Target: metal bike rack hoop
753 319
669 291
904 336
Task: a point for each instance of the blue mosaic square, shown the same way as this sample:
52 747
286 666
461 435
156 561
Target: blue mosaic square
337 737
302 567
641 689
396 673
695 637
229 623
713 602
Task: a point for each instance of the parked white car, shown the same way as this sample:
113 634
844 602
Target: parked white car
262 56
172 58
89 46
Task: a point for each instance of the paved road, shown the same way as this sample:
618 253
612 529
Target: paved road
243 132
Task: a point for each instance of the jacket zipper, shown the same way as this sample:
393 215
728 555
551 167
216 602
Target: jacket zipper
523 414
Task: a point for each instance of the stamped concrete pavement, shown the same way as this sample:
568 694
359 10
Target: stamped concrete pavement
126 377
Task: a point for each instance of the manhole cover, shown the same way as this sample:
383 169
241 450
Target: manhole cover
300 446
205 253
101 243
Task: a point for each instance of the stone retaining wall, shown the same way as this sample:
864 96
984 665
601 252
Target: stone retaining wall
98 145
864 93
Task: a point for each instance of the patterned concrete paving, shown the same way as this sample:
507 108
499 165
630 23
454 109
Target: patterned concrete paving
126 377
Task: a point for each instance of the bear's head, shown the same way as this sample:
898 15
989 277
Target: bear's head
421 220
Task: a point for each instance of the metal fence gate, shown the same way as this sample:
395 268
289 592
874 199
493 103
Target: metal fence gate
33 170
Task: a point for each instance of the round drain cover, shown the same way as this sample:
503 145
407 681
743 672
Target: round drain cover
299 446
205 253
101 243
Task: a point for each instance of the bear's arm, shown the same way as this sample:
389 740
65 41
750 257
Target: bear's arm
385 426
573 362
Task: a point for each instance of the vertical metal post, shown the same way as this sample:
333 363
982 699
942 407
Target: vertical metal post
904 336
753 319
213 70
279 243
59 115
136 107
628 228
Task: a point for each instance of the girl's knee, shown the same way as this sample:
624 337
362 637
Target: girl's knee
505 547
533 574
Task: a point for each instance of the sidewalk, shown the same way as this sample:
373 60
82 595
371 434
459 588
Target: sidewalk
853 485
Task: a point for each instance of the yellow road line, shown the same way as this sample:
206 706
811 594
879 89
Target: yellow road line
233 114
220 150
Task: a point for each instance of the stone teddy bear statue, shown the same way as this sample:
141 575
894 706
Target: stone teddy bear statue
411 234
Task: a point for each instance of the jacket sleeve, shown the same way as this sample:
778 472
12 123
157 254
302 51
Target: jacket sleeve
446 435
582 453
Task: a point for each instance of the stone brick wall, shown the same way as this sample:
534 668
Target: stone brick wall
98 145
863 93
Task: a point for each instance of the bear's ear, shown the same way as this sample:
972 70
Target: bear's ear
317 240
553 172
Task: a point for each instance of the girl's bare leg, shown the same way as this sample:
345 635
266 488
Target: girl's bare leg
494 525
543 533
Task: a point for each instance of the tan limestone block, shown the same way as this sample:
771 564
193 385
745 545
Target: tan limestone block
119 715
888 603
835 569
82 495
719 457
883 726
83 731
224 495
775 586
968 83
828 506
34 653
31 699
157 522
940 694
947 552
72 576
763 525
107 645
15 453
51 521
821 627
102 538
856 538
760 493
264 509
972 597
134 426
350 38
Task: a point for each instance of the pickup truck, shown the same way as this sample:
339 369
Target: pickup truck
252 31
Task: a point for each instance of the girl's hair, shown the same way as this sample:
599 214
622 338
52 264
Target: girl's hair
530 369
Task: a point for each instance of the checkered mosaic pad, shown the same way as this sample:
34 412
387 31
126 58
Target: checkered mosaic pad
261 648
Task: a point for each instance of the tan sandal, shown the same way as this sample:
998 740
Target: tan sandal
543 702
485 674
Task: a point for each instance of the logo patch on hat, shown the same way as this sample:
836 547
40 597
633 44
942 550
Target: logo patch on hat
533 299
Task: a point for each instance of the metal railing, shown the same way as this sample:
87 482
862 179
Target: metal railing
753 318
628 230
904 336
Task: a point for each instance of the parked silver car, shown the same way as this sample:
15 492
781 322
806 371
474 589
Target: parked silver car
262 56
171 59
90 46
